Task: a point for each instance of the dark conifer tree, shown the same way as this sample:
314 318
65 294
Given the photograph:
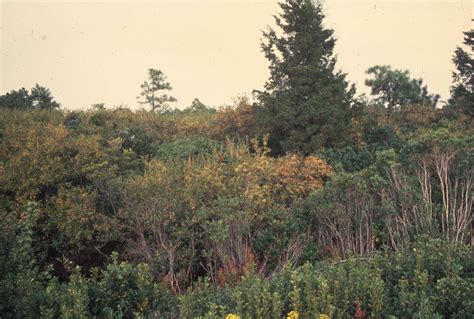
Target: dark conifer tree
395 88
41 98
462 91
306 103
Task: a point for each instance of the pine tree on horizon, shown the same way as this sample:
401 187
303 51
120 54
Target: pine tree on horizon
151 90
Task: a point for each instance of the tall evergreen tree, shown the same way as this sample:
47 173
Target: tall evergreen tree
306 102
462 91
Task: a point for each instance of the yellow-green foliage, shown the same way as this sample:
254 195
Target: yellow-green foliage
190 194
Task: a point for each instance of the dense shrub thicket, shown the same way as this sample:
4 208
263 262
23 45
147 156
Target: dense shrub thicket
113 213
426 279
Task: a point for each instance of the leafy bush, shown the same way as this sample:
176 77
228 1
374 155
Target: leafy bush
430 279
122 290
185 148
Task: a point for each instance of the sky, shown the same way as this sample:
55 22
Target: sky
90 52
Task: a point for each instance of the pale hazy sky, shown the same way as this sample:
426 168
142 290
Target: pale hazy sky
91 52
